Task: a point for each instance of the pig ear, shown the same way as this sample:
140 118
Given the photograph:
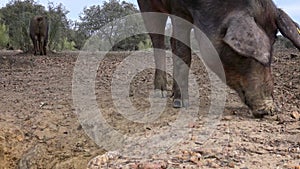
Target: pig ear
247 39
288 27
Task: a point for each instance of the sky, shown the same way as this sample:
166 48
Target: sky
75 7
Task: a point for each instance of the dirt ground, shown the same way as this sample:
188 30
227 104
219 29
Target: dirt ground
39 127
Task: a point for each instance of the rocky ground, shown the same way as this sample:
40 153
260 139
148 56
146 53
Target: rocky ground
39 126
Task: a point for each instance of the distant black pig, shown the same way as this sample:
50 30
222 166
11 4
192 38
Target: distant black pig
243 33
39 34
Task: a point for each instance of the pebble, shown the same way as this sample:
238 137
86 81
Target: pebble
227 118
295 115
231 164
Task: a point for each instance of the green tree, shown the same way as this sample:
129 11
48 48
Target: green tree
16 16
79 35
99 20
146 44
4 38
59 32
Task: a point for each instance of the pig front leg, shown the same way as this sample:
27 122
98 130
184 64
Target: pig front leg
181 62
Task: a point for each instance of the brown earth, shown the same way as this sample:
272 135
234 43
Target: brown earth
39 127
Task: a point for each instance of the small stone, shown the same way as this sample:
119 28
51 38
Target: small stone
39 135
113 155
133 166
293 55
212 164
20 137
59 107
196 160
43 104
193 138
292 167
192 125
98 161
231 164
227 118
295 115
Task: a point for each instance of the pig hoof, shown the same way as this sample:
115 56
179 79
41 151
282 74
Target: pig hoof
164 94
157 93
261 113
177 103
160 93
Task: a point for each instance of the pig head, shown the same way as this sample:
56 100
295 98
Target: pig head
243 35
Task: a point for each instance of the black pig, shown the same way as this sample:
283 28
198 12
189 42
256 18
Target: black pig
243 33
39 34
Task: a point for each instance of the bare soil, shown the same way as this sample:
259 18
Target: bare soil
39 127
